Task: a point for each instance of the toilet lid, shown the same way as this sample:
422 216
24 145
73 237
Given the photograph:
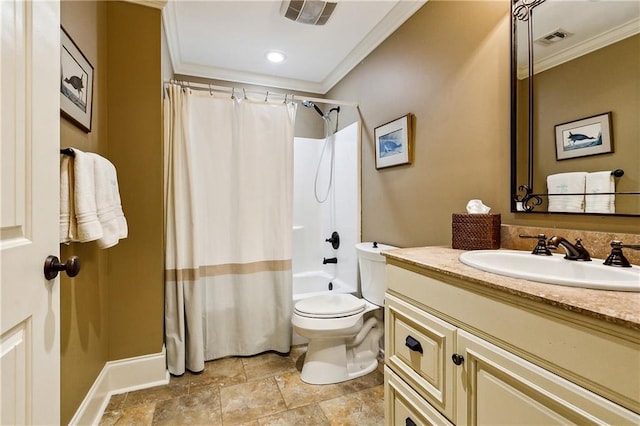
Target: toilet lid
330 306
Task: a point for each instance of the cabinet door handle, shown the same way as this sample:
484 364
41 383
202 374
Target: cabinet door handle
413 344
409 422
457 359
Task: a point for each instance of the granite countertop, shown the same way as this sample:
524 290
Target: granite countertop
619 307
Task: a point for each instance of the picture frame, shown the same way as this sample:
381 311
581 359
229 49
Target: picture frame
584 137
393 143
76 83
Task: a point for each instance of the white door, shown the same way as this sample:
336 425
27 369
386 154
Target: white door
29 196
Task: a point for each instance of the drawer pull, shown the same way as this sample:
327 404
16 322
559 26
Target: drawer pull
457 359
409 422
413 344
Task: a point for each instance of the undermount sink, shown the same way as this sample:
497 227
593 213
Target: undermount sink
554 269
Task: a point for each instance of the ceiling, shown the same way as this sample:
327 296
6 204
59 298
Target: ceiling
228 40
591 25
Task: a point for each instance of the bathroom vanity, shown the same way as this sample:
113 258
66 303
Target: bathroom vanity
463 346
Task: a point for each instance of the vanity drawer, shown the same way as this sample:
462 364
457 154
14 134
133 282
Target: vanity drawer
404 407
417 345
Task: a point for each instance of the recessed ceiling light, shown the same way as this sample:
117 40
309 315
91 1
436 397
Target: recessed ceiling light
275 56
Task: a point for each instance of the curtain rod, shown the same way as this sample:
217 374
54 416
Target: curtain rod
265 93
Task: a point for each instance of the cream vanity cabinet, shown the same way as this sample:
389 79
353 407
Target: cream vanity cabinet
460 353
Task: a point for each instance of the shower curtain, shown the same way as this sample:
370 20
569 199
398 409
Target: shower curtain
229 197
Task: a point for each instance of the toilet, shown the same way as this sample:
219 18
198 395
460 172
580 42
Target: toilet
343 330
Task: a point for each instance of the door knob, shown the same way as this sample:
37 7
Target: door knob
52 266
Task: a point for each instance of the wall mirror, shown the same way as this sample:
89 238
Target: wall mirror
575 106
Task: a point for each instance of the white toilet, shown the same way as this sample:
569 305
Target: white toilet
343 330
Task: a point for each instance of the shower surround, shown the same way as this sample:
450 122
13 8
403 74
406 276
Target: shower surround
314 222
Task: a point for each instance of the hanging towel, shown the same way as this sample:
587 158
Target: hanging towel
110 214
67 215
566 183
86 212
596 183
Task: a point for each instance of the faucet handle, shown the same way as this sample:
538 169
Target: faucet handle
584 253
540 248
616 257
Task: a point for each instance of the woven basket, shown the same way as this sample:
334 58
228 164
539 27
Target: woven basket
475 231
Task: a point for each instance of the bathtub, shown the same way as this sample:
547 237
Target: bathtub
308 284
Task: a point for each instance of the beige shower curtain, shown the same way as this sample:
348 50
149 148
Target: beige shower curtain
229 197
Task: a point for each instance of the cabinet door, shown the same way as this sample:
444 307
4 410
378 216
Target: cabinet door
418 347
497 387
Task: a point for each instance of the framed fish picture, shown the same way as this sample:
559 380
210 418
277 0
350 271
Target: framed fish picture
394 143
584 137
76 83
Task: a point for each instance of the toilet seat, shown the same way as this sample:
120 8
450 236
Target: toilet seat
336 305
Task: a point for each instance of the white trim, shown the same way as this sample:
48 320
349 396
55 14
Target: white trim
240 92
121 376
156 4
600 41
402 11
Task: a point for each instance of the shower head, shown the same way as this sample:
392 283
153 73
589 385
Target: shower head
310 104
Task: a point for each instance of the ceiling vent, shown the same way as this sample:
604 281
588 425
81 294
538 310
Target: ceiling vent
313 12
553 37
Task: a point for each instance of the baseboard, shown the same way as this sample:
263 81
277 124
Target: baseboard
118 377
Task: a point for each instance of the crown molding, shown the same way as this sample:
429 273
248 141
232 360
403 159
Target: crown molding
600 41
396 17
243 77
402 11
156 4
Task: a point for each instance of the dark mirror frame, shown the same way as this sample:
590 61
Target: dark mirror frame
523 195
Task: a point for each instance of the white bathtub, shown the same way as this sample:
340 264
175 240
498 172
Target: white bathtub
308 284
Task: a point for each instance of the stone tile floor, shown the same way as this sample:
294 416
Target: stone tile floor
253 391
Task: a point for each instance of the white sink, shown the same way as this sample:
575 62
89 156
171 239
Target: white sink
554 269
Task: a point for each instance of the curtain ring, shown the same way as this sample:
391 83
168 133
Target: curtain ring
244 92
266 96
210 89
285 98
233 93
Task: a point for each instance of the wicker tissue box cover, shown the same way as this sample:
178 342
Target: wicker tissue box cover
475 231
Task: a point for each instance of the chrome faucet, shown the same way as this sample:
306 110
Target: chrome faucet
572 252
616 258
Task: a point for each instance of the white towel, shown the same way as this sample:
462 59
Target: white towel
596 183
66 199
86 212
110 214
566 183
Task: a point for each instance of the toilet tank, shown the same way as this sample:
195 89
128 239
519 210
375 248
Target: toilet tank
372 274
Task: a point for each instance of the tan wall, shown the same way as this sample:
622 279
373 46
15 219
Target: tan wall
585 87
136 265
449 66
113 309
83 299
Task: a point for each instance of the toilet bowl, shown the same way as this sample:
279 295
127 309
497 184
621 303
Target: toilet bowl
343 330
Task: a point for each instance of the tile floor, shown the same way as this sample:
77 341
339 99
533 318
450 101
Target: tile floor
253 391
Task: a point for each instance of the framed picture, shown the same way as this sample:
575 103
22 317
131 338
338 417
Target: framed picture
76 83
393 143
584 137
